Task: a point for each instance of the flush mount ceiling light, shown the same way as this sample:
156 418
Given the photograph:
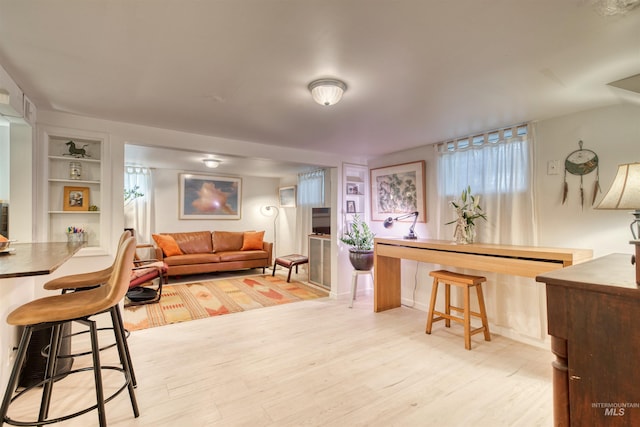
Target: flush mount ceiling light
211 163
327 91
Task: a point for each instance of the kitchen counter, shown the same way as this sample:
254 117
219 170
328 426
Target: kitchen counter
35 259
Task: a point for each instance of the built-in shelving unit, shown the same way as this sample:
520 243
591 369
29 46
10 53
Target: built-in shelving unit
355 192
74 183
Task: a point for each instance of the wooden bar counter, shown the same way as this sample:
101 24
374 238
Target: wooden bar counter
35 259
592 311
18 270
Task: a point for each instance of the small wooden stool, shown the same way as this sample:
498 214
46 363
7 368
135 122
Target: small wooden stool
464 281
290 261
354 283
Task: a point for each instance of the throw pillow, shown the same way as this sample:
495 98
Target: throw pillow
252 240
167 244
227 241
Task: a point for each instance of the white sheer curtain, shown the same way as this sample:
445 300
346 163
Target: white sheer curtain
310 194
498 167
139 208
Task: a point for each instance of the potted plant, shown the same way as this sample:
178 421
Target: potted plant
360 239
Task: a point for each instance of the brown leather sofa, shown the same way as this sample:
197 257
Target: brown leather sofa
211 251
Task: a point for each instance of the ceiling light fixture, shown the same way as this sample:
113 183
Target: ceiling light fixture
327 91
211 163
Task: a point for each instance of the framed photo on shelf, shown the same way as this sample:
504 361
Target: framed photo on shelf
351 206
352 189
288 197
209 197
397 190
76 199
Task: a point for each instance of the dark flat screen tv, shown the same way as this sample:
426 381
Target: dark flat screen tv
321 220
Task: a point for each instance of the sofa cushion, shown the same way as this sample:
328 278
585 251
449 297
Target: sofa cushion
194 242
168 244
224 241
241 255
252 240
190 259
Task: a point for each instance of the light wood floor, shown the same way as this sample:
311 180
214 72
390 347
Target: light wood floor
319 363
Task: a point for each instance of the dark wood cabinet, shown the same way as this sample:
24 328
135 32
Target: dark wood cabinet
593 310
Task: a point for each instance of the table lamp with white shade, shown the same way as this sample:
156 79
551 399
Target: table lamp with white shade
625 194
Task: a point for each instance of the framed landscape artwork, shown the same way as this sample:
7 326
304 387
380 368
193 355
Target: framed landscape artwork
76 199
288 197
397 190
209 197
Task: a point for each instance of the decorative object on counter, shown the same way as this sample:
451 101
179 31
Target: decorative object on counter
93 208
75 170
76 199
624 194
74 151
388 223
360 239
398 189
581 162
468 210
77 235
4 245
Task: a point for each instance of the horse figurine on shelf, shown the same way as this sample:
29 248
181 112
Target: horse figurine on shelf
75 151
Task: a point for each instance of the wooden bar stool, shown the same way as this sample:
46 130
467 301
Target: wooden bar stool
55 311
466 282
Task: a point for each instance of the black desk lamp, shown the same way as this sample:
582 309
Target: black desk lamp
388 223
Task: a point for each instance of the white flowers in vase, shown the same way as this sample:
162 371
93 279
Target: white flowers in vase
468 210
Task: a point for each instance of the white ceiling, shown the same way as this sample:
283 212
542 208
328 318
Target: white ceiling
418 71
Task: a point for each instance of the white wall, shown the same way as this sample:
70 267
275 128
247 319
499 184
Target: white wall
21 224
517 306
614 134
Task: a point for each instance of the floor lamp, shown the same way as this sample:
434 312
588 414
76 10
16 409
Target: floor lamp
268 211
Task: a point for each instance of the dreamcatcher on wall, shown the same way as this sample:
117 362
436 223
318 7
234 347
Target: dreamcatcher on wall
581 162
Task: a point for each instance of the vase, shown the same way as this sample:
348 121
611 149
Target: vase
465 234
361 260
471 233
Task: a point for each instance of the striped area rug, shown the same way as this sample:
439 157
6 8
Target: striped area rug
184 302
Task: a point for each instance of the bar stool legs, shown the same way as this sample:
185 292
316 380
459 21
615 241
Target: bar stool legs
354 283
466 282
51 377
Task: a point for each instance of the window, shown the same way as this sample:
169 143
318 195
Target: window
497 165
